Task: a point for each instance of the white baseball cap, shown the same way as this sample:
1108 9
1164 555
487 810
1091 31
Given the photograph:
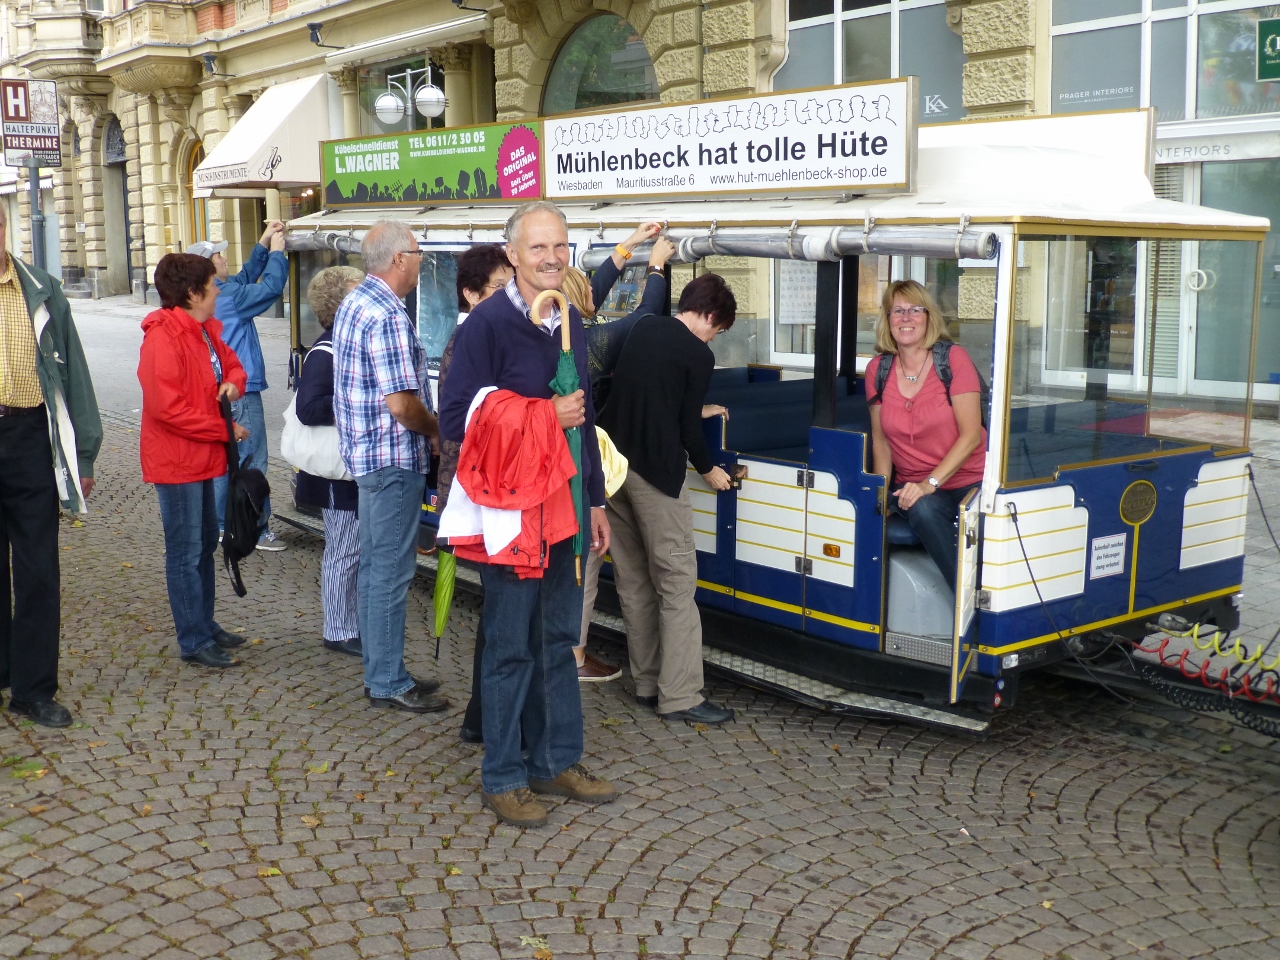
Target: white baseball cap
206 248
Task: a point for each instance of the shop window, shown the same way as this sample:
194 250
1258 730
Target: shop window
805 9
199 206
809 59
1169 69
869 40
1226 84
1097 70
603 62
1076 11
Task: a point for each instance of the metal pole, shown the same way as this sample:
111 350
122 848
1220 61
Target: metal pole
37 217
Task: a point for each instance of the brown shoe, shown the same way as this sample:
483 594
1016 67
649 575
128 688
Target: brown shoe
516 807
597 671
576 784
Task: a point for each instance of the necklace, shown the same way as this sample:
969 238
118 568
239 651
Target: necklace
919 373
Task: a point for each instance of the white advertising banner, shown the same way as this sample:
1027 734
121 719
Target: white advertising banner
856 138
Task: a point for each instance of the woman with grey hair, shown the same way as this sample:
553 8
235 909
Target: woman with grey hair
337 499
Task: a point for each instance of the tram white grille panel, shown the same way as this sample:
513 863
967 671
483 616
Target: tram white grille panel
770 516
706 507
1213 513
830 521
1055 533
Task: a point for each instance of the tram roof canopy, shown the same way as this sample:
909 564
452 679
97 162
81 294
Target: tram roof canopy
1072 171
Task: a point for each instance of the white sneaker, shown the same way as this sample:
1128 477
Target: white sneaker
270 544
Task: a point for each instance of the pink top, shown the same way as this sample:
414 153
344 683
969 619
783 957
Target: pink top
922 430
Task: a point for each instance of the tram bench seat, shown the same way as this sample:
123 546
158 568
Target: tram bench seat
733 395
781 430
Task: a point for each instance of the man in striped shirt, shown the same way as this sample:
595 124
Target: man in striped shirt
385 426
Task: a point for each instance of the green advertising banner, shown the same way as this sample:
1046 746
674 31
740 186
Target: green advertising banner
1268 50
493 161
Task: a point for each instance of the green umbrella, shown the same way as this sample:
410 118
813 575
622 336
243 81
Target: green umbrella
564 383
446 577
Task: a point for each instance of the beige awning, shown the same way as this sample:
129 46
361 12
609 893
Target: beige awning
275 144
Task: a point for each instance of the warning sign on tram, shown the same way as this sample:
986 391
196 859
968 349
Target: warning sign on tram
856 138
31 129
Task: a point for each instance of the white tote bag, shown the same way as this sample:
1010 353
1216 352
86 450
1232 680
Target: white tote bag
312 450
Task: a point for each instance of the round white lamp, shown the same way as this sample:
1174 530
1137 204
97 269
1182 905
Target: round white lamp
430 101
388 108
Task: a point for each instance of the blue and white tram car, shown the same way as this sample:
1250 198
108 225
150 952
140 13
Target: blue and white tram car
1117 332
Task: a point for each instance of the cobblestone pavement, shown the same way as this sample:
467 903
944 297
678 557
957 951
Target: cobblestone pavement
269 812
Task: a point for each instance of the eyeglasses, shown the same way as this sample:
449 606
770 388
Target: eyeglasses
908 312
495 286
415 253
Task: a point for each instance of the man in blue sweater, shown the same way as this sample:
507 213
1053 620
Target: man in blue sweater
529 678
241 298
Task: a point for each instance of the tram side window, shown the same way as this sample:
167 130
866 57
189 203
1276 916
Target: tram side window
437 302
1075 396
311 262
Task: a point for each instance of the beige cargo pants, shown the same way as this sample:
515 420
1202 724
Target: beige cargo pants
656 573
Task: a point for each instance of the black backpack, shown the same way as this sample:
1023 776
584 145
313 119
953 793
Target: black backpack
942 364
247 492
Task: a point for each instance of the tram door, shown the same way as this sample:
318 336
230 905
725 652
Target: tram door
964 636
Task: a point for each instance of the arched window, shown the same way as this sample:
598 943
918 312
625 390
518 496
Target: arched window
603 62
199 206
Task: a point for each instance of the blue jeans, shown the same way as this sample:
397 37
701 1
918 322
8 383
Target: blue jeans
934 520
390 504
190 541
529 675
247 411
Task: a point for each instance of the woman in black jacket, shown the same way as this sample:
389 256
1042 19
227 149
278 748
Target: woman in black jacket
337 499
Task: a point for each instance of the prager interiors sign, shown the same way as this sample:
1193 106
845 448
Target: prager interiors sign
858 138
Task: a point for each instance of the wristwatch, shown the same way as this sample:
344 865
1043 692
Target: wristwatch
658 270
933 482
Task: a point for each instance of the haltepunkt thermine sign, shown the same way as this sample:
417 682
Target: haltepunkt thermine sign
29 110
857 138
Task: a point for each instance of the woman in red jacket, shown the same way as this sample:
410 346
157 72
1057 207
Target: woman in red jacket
185 369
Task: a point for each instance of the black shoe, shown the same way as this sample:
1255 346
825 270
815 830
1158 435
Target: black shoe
212 656
426 686
467 735
417 699
225 639
650 702
705 712
352 646
47 713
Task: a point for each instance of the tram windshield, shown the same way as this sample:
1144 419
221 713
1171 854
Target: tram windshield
1100 323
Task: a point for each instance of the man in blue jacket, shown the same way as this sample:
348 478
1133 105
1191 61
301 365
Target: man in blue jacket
241 298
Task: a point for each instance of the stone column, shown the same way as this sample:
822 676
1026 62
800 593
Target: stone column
455 60
999 42
348 84
88 113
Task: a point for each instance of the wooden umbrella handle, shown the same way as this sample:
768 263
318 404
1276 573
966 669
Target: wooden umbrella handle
535 313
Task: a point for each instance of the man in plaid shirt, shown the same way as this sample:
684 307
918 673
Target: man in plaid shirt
380 406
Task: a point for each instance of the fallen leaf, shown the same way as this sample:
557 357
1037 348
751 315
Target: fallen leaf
391 773
368 910
538 943
77 523
311 821
97 743
150 629
255 643
452 871
1225 748
700 727
110 929
38 808
774 752
203 843
21 898
312 706
543 954
146 809
359 796
1033 793
610 722
835 747
321 768
268 872
129 565
1047 904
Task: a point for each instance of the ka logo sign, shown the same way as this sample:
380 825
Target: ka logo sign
934 104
